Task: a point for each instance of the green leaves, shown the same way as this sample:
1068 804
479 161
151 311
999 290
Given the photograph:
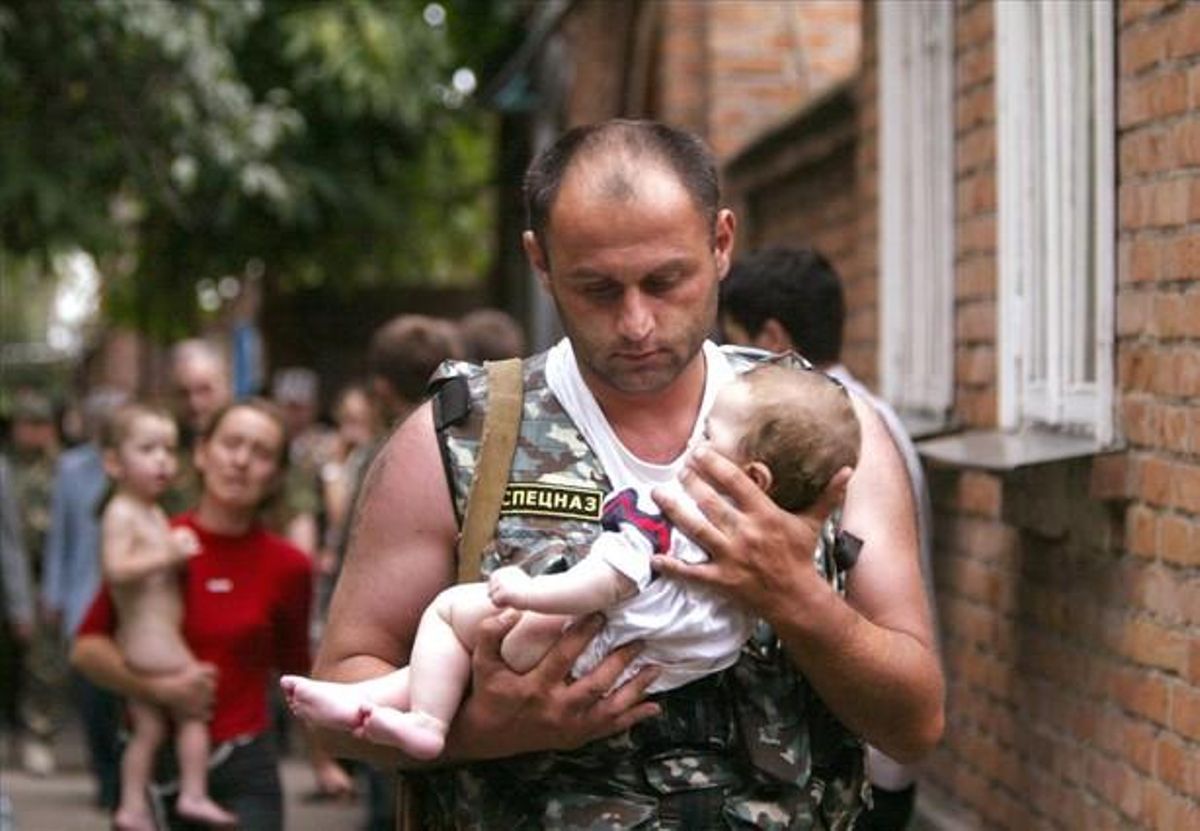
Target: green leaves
184 140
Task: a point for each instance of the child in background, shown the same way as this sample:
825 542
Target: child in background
141 556
790 431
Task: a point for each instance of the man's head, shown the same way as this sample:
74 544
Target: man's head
785 298
628 238
491 335
296 390
200 384
403 353
33 422
792 431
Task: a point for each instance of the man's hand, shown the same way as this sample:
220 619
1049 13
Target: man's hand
752 544
509 713
188 693
509 586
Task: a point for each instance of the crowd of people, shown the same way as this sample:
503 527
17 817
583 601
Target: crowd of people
58 498
635 436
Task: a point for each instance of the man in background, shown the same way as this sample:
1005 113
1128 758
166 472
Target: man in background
71 570
782 299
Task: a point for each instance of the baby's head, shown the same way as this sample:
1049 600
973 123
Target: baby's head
790 430
140 443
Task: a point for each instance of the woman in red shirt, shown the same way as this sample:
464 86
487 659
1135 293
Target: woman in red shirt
246 608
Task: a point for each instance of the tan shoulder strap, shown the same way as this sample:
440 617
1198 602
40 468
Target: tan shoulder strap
501 424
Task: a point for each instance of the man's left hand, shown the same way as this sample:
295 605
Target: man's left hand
753 545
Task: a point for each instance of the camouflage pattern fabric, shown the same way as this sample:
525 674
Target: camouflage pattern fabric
752 747
44 687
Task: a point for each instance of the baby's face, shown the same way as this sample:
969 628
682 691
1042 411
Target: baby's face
726 423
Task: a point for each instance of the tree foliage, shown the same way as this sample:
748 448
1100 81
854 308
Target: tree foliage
182 140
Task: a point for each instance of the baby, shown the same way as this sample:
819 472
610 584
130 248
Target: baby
141 556
790 431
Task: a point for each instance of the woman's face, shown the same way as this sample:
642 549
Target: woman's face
240 460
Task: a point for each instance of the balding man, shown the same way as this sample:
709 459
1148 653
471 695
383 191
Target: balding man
628 236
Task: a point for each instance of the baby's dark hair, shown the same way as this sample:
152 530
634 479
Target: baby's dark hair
119 426
802 426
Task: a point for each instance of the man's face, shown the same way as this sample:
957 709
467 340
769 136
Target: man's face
200 388
634 279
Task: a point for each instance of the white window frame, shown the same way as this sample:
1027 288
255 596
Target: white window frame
1056 197
916 106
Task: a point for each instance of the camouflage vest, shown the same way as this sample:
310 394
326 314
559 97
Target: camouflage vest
752 747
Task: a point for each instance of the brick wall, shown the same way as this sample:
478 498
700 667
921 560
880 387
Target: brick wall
768 58
1069 594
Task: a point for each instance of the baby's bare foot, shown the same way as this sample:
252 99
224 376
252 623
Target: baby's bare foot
418 734
200 809
323 703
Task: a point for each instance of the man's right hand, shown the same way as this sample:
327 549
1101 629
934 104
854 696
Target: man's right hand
509 713
188 693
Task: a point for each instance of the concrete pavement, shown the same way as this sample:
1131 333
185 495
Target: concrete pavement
64 801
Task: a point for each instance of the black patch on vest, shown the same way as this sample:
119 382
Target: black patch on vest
451 402
561 501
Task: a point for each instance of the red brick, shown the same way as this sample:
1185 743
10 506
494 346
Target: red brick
1133 313
1145 261
1182 257
1194 196
1185 711
976 322
1184 32
1141 531
1143 693
1154 484
1176 428
1152 645
1185 141
1155 590
1185 487
1174 764
1141 49
1180 540
1132 10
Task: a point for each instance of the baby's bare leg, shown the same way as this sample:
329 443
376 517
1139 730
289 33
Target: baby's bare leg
194 804
339 706
524 647
149 728
441 668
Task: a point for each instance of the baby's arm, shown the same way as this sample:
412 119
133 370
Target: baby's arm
588 586
128 554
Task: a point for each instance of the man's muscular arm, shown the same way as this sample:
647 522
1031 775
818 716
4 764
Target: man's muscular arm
401 555
872 659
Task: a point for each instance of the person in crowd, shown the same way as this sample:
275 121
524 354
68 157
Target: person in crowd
72 578
791 432
199 386
35 452
490 335
628 237
141 556
401 357
791 298
297 512
246 602
16 602
358 434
